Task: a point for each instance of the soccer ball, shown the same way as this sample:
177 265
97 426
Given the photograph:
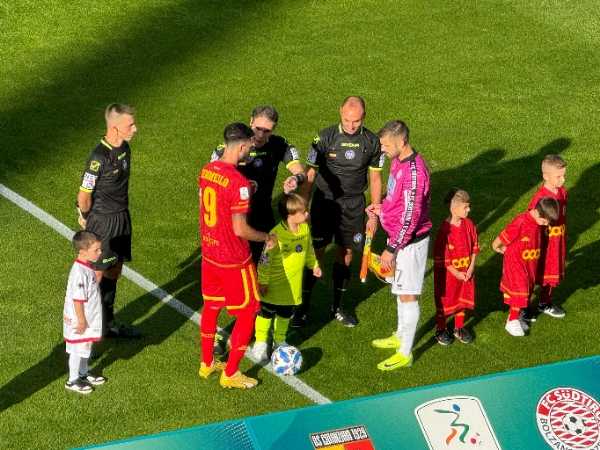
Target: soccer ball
574 424
286 360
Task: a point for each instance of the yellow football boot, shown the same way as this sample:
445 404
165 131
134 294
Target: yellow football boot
396 361
237 381
388 342
205 371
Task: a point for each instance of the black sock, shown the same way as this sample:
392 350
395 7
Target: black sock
307 286
108 292
341 277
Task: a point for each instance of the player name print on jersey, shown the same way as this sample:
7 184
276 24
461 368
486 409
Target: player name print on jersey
214 177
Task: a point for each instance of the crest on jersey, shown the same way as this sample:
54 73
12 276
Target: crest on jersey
357 238
258 162
350 154
244 193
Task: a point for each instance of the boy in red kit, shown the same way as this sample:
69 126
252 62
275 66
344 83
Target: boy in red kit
228 274
554 239
520 244
454 255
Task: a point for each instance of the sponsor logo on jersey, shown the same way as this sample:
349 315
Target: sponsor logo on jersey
569 419
350 154
94 166
456 423
244 193
122 155
355 437
350 144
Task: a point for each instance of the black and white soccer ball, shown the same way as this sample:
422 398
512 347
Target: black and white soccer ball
574 424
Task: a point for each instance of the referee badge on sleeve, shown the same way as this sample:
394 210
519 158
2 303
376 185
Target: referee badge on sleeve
244 193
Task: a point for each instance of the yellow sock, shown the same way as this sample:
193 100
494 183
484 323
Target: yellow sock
261 328
280 329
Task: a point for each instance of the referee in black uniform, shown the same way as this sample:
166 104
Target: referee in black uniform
261 166
103 203
343 160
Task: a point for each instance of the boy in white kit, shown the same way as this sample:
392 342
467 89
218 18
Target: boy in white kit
82 314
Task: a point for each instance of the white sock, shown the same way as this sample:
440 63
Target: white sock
400 317
410 320
74 361
83 367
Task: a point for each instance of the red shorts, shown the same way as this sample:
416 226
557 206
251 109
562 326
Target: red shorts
234 289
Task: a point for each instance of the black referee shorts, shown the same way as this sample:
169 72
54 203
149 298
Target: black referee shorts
115 232
341 220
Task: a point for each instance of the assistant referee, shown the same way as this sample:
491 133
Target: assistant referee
343 161
103 203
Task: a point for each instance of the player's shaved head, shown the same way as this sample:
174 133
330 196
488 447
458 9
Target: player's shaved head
554 162
82 240
456 195
115 111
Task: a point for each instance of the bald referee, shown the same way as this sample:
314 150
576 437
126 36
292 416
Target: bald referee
343 161
103 203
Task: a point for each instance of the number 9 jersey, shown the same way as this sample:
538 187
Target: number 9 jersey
223 191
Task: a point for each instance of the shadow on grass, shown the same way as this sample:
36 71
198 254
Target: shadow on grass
140 53
156 328
131 58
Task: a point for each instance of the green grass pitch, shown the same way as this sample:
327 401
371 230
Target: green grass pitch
487 88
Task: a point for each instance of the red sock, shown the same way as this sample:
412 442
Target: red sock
459 319
240 336
513 313
440 321
208 328
546 294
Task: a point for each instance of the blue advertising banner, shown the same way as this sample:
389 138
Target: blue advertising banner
553 406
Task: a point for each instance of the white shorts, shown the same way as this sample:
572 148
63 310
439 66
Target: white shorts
81 349
411 262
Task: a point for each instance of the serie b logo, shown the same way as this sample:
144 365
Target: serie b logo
569 418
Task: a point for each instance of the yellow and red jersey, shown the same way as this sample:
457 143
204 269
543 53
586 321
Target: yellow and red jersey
223 192
554 239
522 238
454 246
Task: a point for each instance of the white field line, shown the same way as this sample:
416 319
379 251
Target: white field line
141 281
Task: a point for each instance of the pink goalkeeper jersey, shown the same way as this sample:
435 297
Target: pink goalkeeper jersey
405 210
